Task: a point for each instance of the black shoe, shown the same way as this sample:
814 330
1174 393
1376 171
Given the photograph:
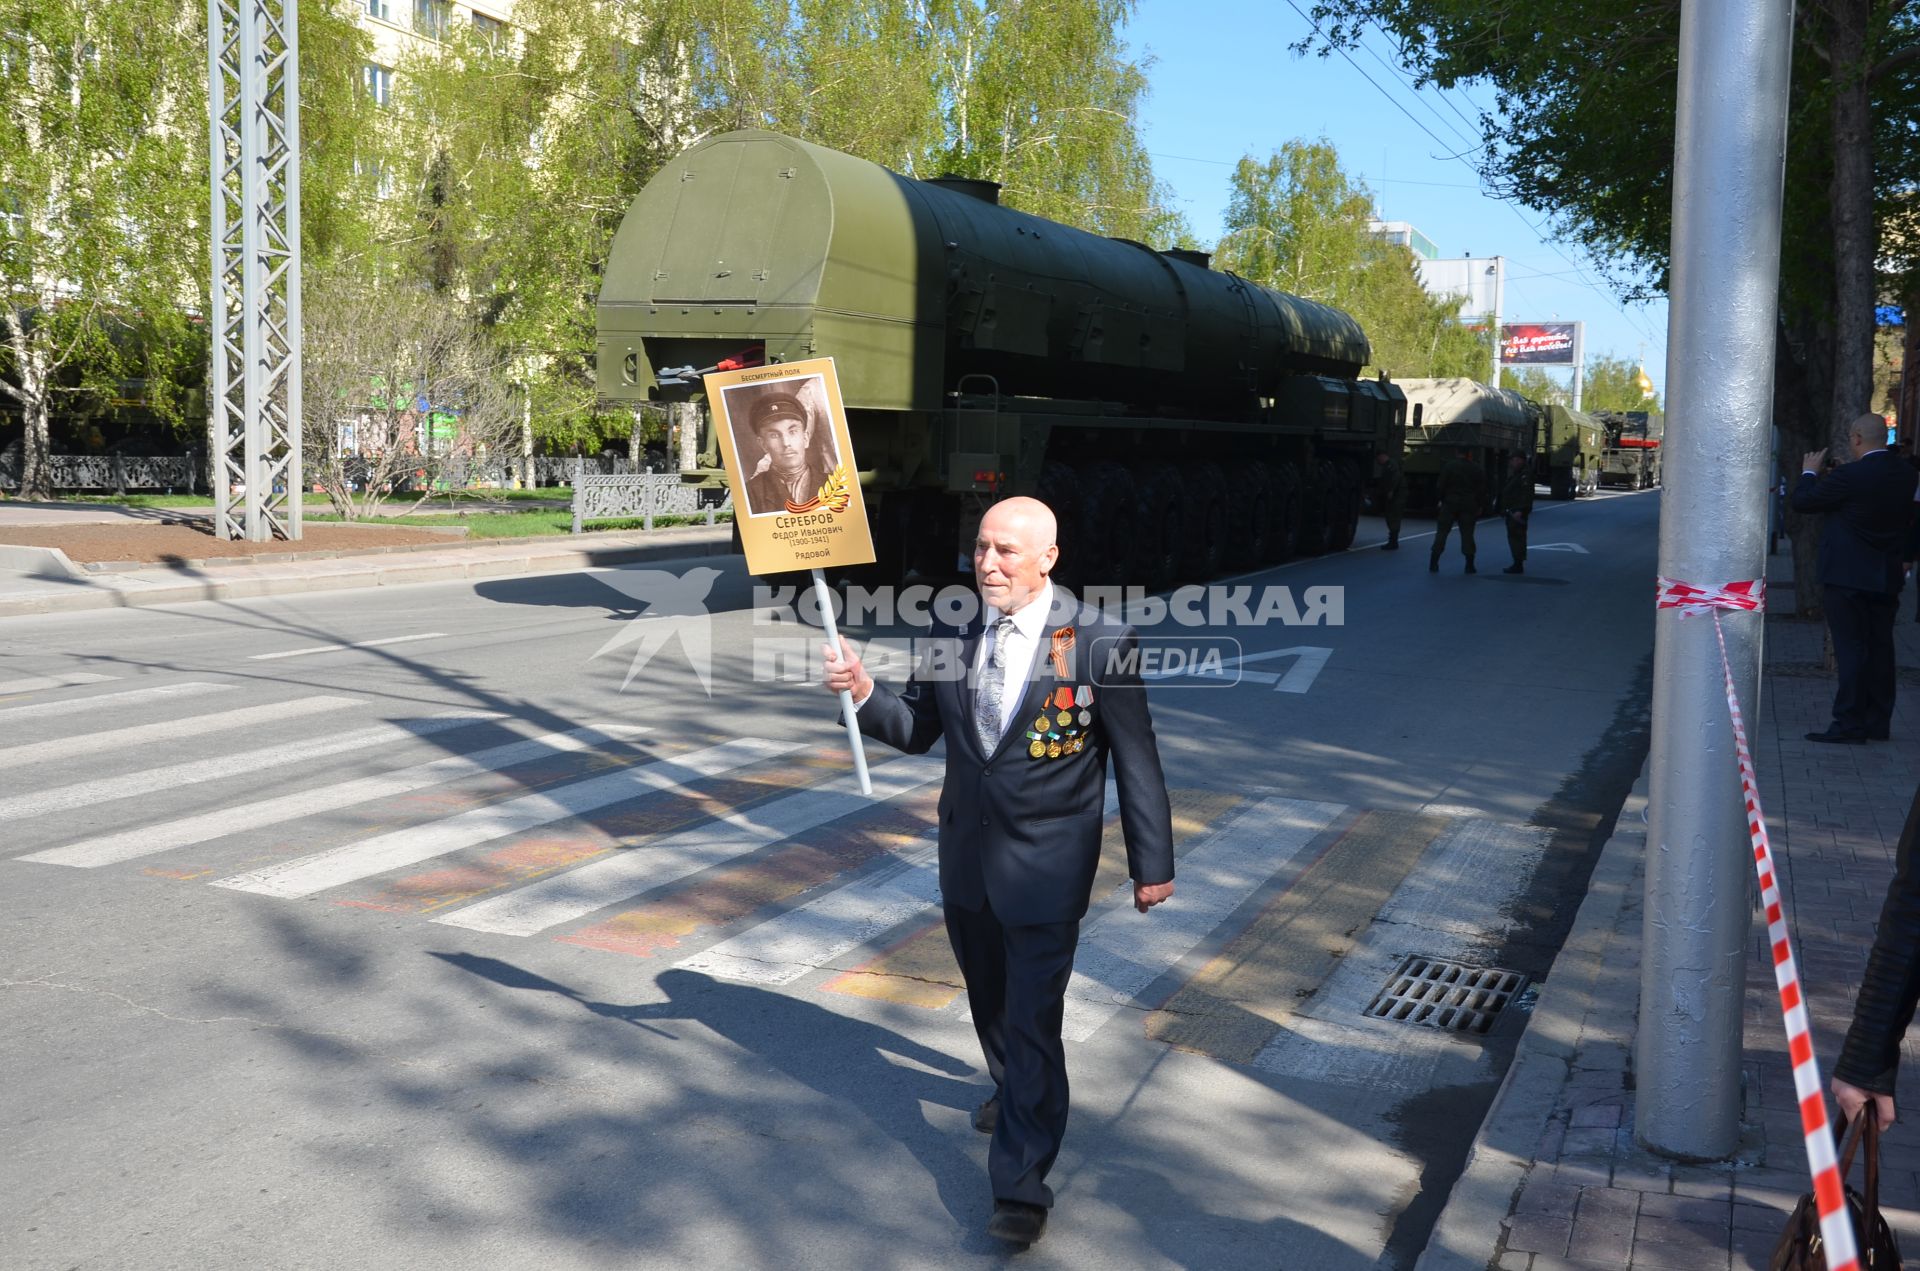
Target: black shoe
1837 737
1514 569
987 1115
1391 545
1433 564
1016 1223
1879 736
1471 569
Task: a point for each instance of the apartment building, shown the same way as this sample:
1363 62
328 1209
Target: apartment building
400 27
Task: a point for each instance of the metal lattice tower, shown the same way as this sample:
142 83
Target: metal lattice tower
254 107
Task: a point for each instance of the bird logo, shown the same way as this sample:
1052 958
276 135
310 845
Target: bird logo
671 605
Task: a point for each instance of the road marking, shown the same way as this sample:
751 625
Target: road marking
193 772
1559 547
73 706
1122 952
782 949
358 644
400 848
150 840
631 873
1297 679
34 683
170 730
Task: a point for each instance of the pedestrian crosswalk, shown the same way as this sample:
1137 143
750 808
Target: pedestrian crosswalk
748 859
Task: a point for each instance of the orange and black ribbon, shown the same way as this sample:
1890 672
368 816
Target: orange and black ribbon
1062 642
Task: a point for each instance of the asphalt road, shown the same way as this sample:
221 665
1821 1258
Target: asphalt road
401 928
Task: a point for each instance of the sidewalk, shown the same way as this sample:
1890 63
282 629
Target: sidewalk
42 580
1556 1179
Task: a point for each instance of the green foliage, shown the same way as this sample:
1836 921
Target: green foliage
1613 383
1536 385
1298 223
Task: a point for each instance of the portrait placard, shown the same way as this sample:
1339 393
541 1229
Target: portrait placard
789 461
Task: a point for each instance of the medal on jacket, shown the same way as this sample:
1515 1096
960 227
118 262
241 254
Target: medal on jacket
1062 642
1037 748
1083 698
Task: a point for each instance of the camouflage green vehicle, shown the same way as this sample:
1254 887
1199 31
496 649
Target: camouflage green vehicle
1572 443
1181 421
1450 415
1632 457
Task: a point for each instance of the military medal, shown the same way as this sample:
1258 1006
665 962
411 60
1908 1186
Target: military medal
1041 725
1038 748
1053 750
1063 719
1083 699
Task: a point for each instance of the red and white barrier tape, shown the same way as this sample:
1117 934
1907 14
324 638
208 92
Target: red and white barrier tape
1829 1194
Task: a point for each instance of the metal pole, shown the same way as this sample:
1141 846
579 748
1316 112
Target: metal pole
1729 161
1499 303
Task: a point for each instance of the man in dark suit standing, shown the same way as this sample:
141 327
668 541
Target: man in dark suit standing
1031 708
1867 503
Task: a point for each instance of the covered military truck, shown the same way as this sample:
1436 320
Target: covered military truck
1180 421
1632 456
1450 415
1571 446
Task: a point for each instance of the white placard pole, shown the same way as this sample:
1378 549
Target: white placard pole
854 739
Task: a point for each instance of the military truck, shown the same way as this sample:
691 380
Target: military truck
1451 415
1632 455
1571 445
1181 421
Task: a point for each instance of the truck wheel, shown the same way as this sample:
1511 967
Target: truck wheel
1106 503
1206 525
1283 484
1635 481
1316 491
1059 489
1158 526
1249 516
1343 508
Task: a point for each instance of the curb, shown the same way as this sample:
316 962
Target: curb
42 562
110 591
1468 1232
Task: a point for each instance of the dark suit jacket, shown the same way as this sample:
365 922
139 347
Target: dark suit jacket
1021 832
1868 503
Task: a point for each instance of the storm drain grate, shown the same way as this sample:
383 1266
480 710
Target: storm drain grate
1448 995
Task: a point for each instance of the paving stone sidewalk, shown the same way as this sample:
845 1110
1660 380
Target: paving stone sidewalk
1556 1179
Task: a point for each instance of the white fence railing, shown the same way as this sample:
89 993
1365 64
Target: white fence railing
645 496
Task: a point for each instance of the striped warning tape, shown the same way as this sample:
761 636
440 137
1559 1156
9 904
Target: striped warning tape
1829 1195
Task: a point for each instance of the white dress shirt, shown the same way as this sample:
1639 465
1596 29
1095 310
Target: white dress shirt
1029 625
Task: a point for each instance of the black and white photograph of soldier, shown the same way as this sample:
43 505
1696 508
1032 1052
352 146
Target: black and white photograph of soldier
784 441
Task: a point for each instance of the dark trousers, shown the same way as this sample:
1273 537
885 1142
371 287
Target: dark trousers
1391 509
1862 626
1444 519
1016 988
1517 540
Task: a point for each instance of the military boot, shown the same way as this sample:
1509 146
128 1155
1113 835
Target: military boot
1433 563
1515 568
1470 568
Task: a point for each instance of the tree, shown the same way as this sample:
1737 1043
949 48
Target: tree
1613 383
101 176
1299 224
402 390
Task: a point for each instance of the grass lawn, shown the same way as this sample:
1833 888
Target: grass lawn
527 524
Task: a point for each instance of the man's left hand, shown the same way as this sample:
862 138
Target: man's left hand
1813 461
1147 895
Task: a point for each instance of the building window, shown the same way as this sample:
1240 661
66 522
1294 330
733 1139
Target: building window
378 9
378 173
379 83
490 31
430 18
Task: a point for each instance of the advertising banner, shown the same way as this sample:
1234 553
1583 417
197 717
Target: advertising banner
789 461
1540 344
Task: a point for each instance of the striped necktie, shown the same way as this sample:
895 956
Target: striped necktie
993 681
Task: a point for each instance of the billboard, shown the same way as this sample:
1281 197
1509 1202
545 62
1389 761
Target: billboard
1540 343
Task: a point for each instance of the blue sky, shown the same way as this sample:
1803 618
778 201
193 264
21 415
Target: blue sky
1225 83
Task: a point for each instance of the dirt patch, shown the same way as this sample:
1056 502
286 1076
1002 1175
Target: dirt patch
192 542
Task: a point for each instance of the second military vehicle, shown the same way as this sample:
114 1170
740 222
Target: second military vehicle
1632 457
1571 445
1451 415
1180 420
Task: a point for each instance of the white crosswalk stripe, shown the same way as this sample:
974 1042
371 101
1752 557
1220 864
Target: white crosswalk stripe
1122 952
195 771
170 730
34 683
401 848
626 875
782 949
151 840
103 701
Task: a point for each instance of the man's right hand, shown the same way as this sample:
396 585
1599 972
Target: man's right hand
844 672
1813 461
1852 1098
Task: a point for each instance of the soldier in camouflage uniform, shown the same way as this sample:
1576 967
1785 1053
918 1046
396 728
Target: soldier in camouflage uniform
1462 489
1390 490
1516 505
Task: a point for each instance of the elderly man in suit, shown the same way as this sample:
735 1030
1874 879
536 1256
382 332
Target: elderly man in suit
1867 504
1032 708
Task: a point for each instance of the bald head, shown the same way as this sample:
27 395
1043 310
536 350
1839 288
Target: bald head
1868 432
1014 552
